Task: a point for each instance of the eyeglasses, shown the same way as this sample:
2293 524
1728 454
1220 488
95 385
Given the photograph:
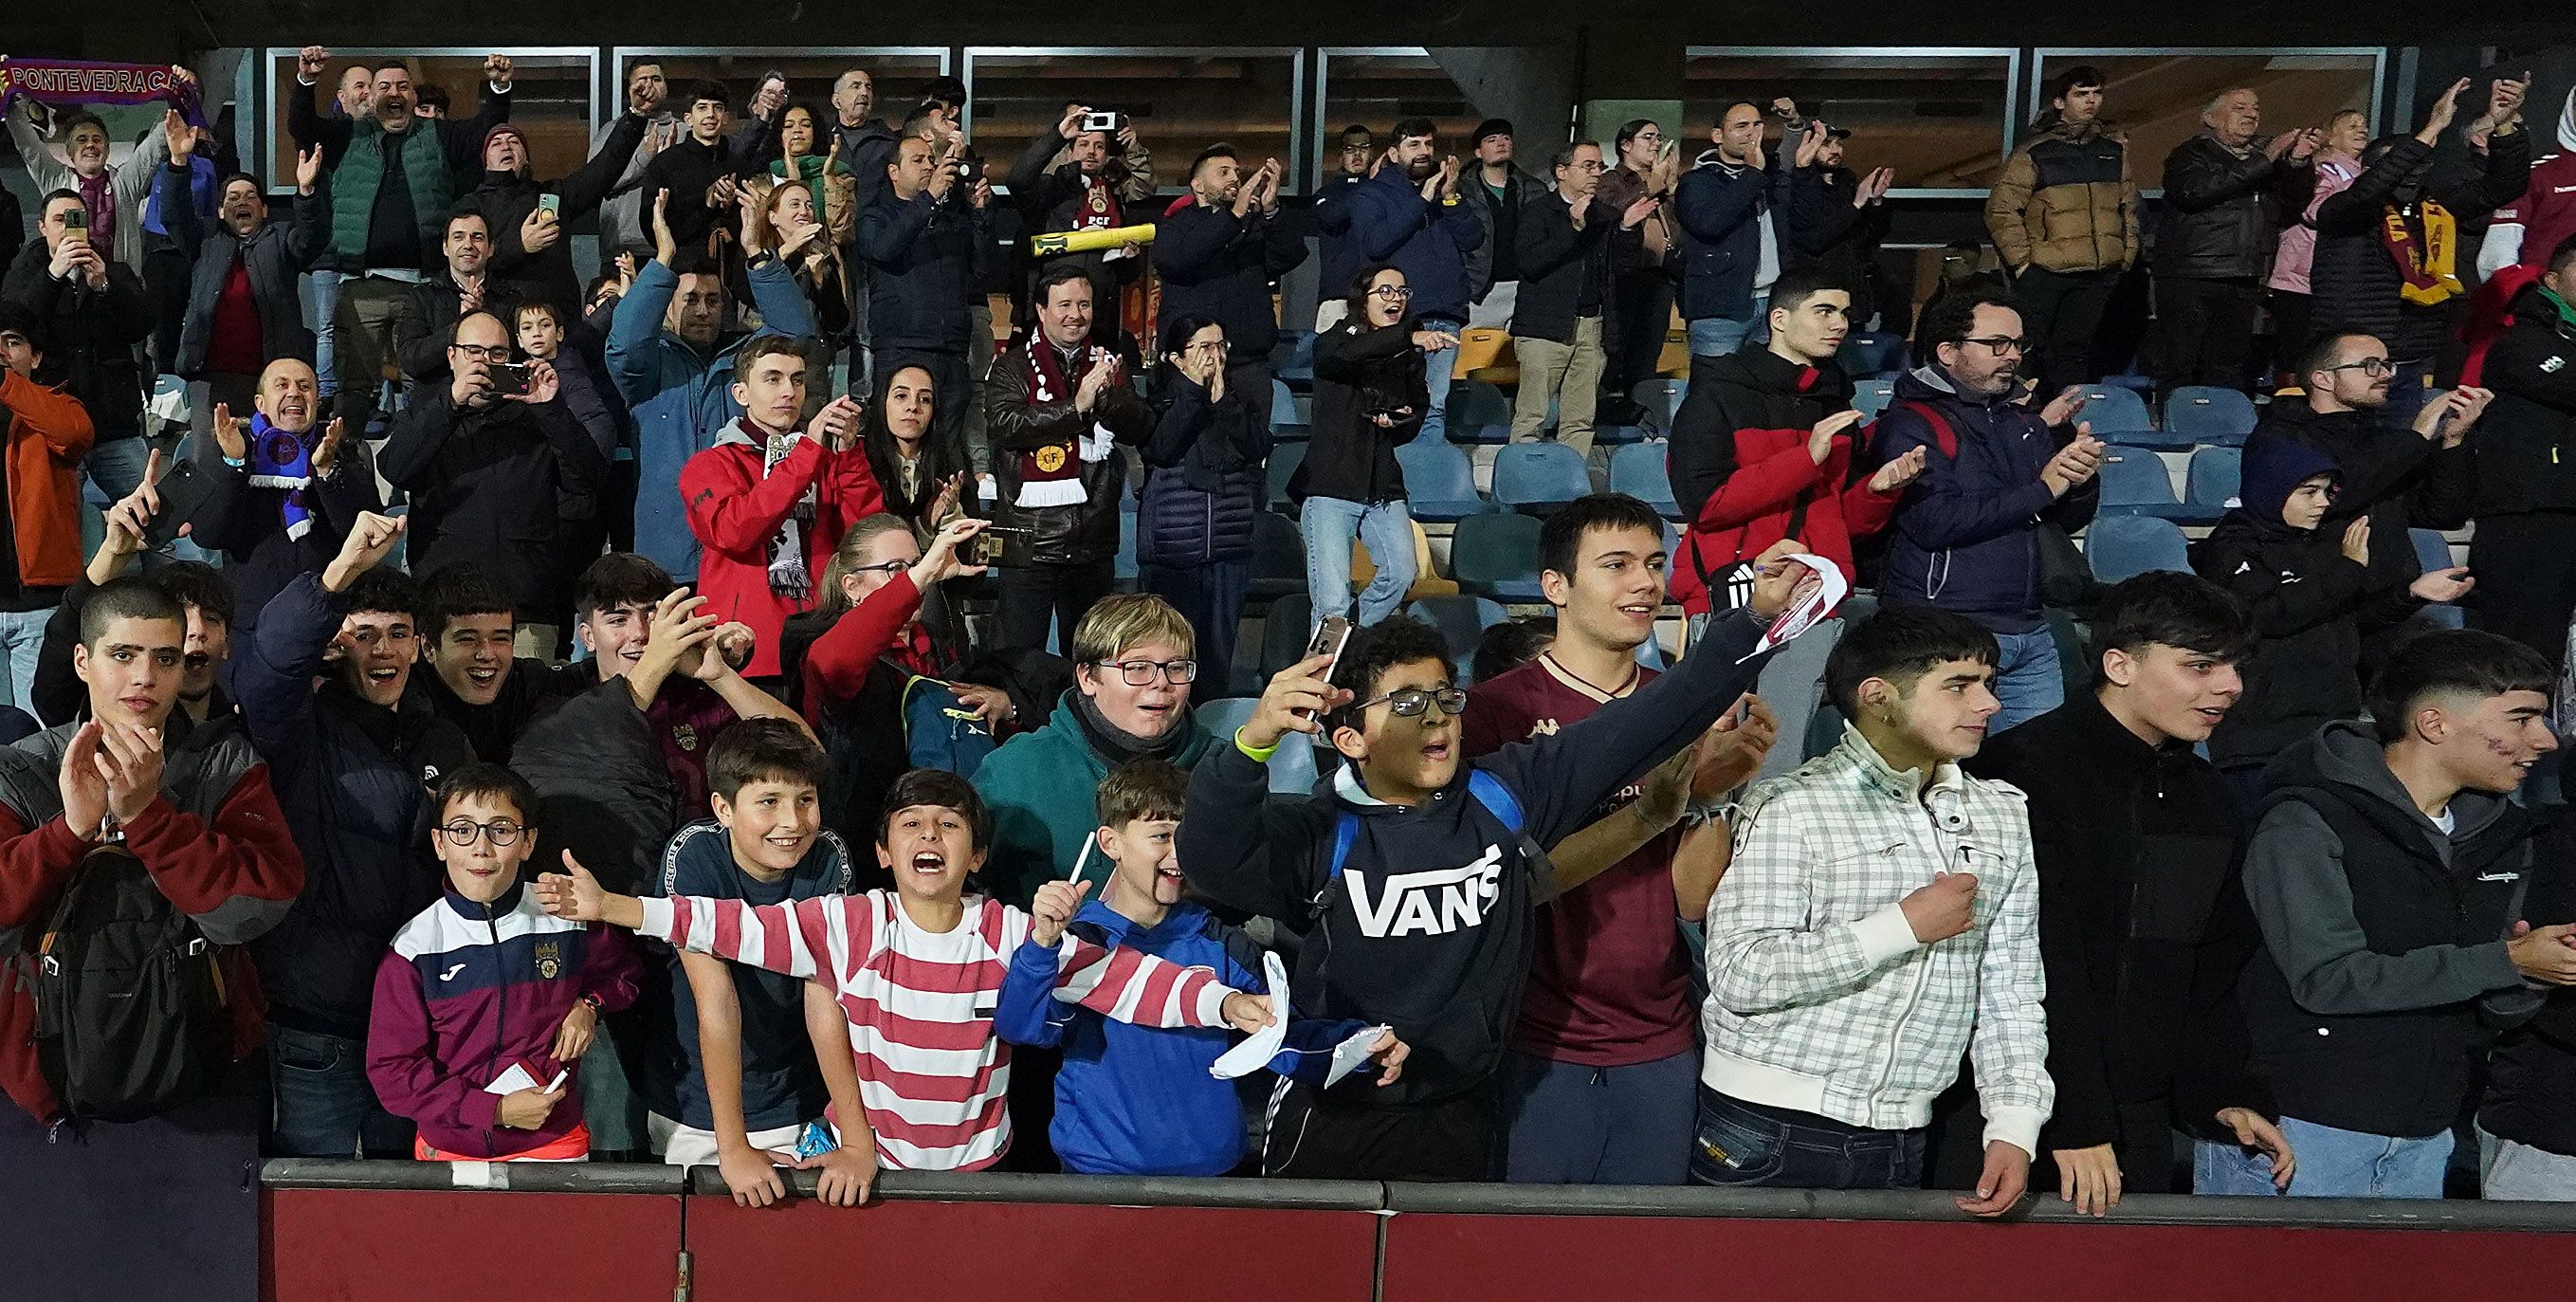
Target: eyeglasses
1999 344
463 831
1391 293
483 352
2372 366
1140 673
1208 346
1407 702
882 567
1591 165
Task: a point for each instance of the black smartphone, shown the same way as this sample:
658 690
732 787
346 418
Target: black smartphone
183 493
510 378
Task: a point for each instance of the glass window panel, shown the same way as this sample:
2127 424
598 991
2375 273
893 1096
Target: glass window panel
1937 118
1377 89
900 74
1181 101
550 100
2157 98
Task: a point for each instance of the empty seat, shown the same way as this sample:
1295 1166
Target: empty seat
1439 481
1284 460
2135 482
1478 413
1538 476
2210 483
1496 556
1296 353
1873 352
1292 766
2433 552
1870 397
1640 472
1461 619
1660 398
1619 435
2200 413
2121 546
2119 415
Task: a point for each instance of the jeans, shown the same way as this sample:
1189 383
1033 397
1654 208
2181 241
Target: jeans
1567 374
2520 1172
324 1105
1571 1124
1329 524
2332 1164
1439 370
365 343
1716 336
2027 679
1745 1147
2060 311
116 466
22 635
321 304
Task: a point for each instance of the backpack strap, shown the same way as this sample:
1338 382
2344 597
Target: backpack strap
1944 435
1497 799
1346 829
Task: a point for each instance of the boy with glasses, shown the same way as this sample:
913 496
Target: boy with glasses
1418 877
485 1004
2419 477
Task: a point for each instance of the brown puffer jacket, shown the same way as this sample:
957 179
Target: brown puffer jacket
2065 203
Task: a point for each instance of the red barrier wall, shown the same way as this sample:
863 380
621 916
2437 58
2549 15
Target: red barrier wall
396 1245
1024 1252
1449 1258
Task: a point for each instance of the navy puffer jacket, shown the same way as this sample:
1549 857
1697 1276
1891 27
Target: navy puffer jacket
1203 476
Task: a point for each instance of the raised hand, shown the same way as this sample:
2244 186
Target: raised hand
496 70
1776 578
311 62
943 561
836 426
1810 141
1898 473
308 170
2444 110
130 761
232 434
326 454
178 135
370 540
666 248
1054 906
1820 440
2356 540
545 383
2068 403
540 231
1070 125
1635 214
84 789
1296 699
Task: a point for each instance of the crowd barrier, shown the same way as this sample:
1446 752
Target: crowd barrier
394 1232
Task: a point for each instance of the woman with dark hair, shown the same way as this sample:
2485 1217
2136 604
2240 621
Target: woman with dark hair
1641 293
1371 394
924 482
1202 485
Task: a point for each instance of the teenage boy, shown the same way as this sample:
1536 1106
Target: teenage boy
1880 909
762 1053
1419 876
1134 1100
1599 1087
484 981
2388 873
469 631
2143 927
917 971
354 761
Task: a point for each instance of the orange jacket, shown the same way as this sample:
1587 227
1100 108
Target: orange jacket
49 432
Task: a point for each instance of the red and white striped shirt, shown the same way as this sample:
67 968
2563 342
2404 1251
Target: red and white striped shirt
932 1074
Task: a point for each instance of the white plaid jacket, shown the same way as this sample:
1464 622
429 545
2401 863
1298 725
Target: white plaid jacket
1821 1000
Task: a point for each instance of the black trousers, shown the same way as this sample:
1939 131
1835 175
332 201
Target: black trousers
2526 585
1317 1136
1032 594
1644 303
2204 332
2060 312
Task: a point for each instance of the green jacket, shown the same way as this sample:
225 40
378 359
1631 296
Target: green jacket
1041 787
353 187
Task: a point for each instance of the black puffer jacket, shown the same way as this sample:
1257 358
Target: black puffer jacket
94 331
2397 477
1358 372
2223 211
1202 476
2527 439
923 259
2355 280
1084 532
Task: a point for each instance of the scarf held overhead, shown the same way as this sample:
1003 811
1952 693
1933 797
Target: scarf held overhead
1052 475
74 81
2425 259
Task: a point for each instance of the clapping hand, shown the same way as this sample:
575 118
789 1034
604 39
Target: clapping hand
1899 472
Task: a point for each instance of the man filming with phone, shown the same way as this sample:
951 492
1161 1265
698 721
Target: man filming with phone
1104 180
499 472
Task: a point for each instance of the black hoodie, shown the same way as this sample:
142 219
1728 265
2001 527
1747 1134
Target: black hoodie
1429 927
2402 479
2527 439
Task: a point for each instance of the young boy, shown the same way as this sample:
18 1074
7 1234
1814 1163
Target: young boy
1881 906
484 982
2313 599
1419 876
761 1052
918 971
1132 1100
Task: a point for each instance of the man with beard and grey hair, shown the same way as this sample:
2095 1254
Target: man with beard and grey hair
1409 215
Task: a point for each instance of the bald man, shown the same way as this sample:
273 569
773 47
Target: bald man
286 486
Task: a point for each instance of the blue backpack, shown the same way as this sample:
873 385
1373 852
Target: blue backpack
939 732
1488 791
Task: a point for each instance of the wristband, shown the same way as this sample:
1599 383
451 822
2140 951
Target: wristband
592 1003
1257 754
239 462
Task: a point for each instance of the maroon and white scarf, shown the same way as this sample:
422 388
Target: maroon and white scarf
1097 210
1052 475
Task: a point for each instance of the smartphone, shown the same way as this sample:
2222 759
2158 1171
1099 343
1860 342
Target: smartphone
510 378
1108 122
183 493
551 205
1330 637
76 219
986 548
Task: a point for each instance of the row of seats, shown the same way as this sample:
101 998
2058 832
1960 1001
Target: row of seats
2136 482
2195 415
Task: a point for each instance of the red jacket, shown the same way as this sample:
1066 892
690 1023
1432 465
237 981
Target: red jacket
48 431
236 877
1740 468
734 510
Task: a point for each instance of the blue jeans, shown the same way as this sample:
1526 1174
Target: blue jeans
322 303
2332 1164
1438 371
1740 1147
1572 1124
1716 336
116 467
2027 679
324 1105
1329 524
22 635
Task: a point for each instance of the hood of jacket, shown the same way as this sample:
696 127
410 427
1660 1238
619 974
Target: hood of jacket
2345 756
2272 470
1929 383
1758 368
2567 124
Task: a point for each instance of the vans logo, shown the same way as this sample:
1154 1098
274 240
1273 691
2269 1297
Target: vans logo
1433 903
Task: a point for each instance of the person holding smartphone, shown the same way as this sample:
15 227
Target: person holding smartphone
531 220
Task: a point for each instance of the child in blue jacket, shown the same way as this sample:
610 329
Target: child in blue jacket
1135 1100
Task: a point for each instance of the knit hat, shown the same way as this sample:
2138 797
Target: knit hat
500 129
2272 469
1490 127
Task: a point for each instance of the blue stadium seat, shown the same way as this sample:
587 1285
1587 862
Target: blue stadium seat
2210 483
1640 472
2200 413
1284 631
1478 413
2433 552
1870 397
1296 352
1496 556
2119 415
1439 482
1538 476
1661 398
2135 482
1124 569
2122 546
1284 460
1462 621
1620 435
1873 352
1283 407
1292 766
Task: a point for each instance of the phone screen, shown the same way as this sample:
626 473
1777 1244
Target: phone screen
551 205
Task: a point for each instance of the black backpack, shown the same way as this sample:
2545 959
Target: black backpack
130 1016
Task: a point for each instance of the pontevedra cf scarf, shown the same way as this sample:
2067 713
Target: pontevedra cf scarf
1052 475
2426 248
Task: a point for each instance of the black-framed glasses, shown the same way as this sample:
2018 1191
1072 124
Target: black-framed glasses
1409 702
1140 673
887 568
1999 344
1391 293
464 830
483 352
2374 367
1207 346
